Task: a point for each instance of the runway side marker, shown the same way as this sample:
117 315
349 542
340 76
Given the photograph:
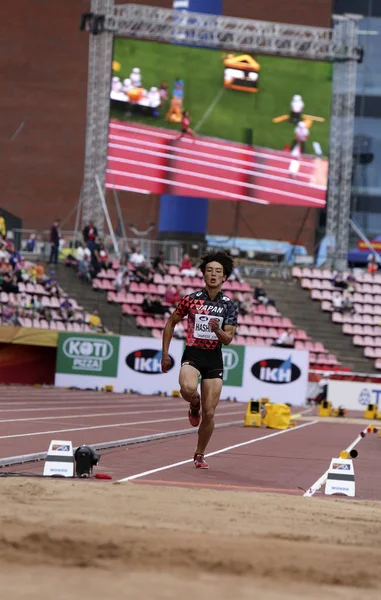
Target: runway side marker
345 454
59 461
222 450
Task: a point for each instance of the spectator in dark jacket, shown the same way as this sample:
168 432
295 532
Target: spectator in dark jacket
54 241
90 233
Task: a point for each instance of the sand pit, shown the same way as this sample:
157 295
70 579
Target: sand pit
65 539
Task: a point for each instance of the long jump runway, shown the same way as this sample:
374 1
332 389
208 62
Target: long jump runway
239 458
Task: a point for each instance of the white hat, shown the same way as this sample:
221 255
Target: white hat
127 81
153 89
136 70
115 79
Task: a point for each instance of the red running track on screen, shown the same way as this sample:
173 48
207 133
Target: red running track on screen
151 160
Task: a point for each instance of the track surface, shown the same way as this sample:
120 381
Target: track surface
151 160
278 461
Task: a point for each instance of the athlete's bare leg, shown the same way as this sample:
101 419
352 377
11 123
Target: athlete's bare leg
188 380
210 397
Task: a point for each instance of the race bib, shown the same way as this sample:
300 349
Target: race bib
202 329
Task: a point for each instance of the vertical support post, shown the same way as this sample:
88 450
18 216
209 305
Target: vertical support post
347 135
104 208
98 108
333 200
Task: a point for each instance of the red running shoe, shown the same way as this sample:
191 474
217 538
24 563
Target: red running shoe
194 415
200 462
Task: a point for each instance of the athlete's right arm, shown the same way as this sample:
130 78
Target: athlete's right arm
178 314
167 336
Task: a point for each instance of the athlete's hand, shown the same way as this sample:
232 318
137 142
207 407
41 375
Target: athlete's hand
165 362
214 325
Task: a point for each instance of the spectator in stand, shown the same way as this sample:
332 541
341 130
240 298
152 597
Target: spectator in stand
55 235
172 295
51 285
3 249
24 306
286 339
3 229
84 268
81 252
104 257
159 265
137 257
95 323
9 284
31 243
337 302
143 274
40 272
122 281
347 303
9 315
261 296
90 233
373 261
339 281
247 304
153 306
95 263
351 281
66 310
186 267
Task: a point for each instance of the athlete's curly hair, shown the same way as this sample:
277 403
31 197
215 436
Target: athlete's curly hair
221 257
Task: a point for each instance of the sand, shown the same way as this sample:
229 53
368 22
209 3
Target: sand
90 540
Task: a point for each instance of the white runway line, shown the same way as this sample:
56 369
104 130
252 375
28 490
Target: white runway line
128 424
226 449
95 415
210 108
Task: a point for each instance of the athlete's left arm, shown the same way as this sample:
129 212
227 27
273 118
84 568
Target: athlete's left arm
226 335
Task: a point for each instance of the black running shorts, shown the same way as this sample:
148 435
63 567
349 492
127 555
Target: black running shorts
208 362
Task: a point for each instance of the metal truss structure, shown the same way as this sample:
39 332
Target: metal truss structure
338 45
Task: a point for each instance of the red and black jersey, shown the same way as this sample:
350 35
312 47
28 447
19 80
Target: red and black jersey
200 309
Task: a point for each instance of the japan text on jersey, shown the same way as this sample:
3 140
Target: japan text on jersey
200 309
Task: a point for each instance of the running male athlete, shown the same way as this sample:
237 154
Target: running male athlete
212 321
185 126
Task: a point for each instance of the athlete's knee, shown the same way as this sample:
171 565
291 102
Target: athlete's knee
208 413
188 390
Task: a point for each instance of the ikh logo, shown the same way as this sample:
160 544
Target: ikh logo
146 361
273 370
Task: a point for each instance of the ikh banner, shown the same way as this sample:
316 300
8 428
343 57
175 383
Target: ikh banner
280 374
134 363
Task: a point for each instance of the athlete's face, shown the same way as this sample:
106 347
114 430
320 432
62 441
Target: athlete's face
214 275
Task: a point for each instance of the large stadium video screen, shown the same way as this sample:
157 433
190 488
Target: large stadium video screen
222 125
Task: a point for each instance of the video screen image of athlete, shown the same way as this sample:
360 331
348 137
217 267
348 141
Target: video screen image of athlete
212 322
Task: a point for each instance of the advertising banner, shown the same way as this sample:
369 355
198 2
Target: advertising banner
134 363
140 365
280 374
354 395
86 361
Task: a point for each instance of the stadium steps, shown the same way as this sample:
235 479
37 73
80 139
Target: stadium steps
111 314
296 304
